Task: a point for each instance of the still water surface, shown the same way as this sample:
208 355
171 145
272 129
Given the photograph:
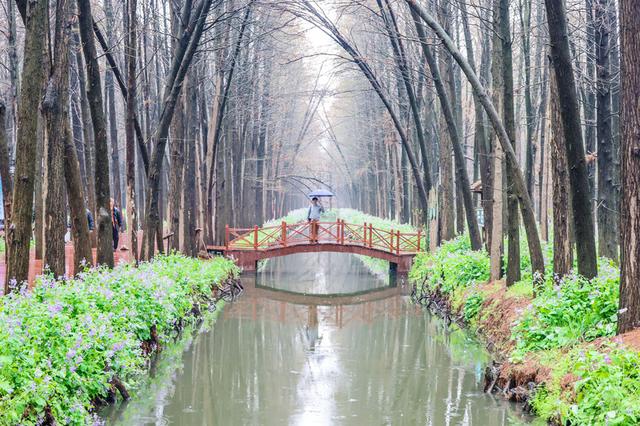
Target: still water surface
287 354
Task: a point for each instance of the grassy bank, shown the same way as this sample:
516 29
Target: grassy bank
69 345
562 339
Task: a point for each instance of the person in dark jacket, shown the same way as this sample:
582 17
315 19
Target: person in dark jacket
92 224
116 223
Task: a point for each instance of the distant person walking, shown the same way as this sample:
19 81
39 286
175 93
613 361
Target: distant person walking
90 221
116 224
313 217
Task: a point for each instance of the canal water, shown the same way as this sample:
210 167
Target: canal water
317 340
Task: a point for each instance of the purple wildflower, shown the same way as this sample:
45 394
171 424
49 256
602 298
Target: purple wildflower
71 354
55 309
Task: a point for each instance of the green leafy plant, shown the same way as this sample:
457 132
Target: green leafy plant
606 390
472 306
453 265
63 344
573 310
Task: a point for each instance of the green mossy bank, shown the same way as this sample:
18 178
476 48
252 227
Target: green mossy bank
68 346
557 348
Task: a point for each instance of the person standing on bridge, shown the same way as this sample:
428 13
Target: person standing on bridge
313 217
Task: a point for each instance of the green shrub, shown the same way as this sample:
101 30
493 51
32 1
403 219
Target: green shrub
607 390
576 309
62 343
453 265
472 306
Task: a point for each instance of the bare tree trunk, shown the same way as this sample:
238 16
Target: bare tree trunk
525 21
94 94
5 178
265 117
111 107
629 313
13 72
177 165
33 74
131 51
40 188
190 189
55 107
87 128
481 141
588 94
497 229
562 247
607 149
513 219
581 200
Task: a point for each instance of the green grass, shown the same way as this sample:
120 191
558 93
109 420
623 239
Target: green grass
62 343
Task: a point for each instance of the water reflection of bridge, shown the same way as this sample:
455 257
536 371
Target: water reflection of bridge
339 310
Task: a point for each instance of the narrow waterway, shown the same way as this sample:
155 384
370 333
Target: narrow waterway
293 351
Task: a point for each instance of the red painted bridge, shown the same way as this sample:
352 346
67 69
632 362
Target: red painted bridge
249 245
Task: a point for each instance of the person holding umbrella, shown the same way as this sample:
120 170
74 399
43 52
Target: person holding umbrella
313 217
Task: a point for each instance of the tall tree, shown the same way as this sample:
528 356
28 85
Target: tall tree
94 94
569 110
131 52
5 176
110 98
562 247
513 220
629 313
34 15
55 109
607 150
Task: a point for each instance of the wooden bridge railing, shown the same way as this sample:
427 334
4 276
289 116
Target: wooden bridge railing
338 232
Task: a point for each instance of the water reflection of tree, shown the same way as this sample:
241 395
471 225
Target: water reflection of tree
386 357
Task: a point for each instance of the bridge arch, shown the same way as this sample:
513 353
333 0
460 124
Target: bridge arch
248 259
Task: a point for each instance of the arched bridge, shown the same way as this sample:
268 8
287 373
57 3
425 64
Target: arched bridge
249 245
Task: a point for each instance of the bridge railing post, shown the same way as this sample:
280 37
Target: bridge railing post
397 242
364 233
255 237
370 235
226 236
419 238
284 233
391 246
342 231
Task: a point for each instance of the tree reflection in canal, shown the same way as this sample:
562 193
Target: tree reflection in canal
280 358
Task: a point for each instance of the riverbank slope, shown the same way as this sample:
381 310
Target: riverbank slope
556 349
